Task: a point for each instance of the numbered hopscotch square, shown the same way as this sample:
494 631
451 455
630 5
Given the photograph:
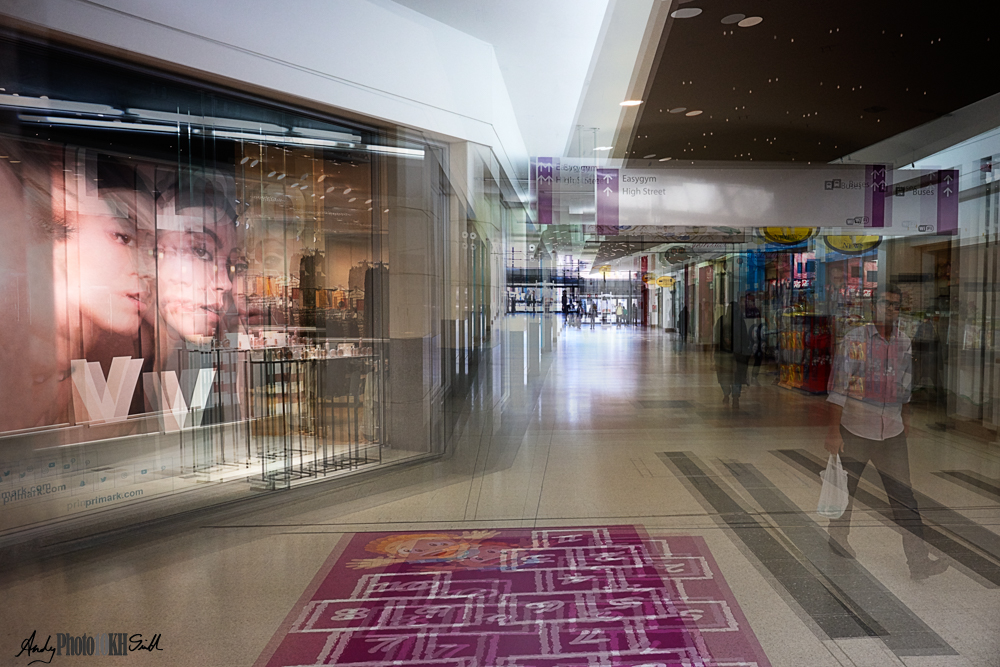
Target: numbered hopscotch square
489 589
709 615
327 615
568 537
478 648
678 658
440 614
633 579
544 607
381 647
627 605
602 640
568 580
682 567
536 558
403 585
457 662
651 639
629 555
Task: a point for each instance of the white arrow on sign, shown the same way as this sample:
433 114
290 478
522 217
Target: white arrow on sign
948 179
607 178
947 192
607 192
545 178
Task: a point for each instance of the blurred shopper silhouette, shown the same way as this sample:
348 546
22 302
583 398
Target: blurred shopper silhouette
869 420
733 349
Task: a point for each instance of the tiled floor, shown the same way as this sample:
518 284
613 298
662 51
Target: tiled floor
610 427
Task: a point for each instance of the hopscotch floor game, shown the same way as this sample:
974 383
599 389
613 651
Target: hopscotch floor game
575 597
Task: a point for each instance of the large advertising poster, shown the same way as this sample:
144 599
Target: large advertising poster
111 268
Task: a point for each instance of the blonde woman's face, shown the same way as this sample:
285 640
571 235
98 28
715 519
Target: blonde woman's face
108 285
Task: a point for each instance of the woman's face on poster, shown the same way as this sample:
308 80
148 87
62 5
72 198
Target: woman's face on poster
111 290
192 273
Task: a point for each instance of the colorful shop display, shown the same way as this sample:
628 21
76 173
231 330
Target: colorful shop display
805 351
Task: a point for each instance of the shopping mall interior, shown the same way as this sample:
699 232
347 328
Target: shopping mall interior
458 333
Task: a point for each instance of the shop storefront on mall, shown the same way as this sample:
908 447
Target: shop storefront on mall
202 285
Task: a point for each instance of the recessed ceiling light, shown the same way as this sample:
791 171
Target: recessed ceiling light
646 157
663 159
750 22
733 18
696 112
686 13
280 176
679 110
630 103
604 148
245 160
272 174
254 163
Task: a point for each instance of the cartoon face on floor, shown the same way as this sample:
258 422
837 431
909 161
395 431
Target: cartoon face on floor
485 554
419 547
467 550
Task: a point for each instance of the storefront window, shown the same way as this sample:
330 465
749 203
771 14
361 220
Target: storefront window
194 284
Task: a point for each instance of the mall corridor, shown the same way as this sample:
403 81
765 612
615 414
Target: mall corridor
499 333
616 427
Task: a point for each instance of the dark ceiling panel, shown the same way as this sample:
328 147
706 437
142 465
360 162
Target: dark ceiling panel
815 80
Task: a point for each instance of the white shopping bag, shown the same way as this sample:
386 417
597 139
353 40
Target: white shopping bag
833 497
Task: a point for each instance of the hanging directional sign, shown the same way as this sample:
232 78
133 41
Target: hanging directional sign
665 281
947 201
607 201
545 177
875 181
851 197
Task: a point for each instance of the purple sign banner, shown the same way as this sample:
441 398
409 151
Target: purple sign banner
875 178
947 201
545 179
607 185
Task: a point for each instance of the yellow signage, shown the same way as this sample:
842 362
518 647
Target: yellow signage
647 278
665 281
787 235
605 269
852 245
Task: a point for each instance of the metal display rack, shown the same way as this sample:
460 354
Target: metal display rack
306 414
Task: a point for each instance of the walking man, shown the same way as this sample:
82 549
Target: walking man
869 420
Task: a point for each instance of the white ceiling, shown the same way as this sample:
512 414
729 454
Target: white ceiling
544 49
